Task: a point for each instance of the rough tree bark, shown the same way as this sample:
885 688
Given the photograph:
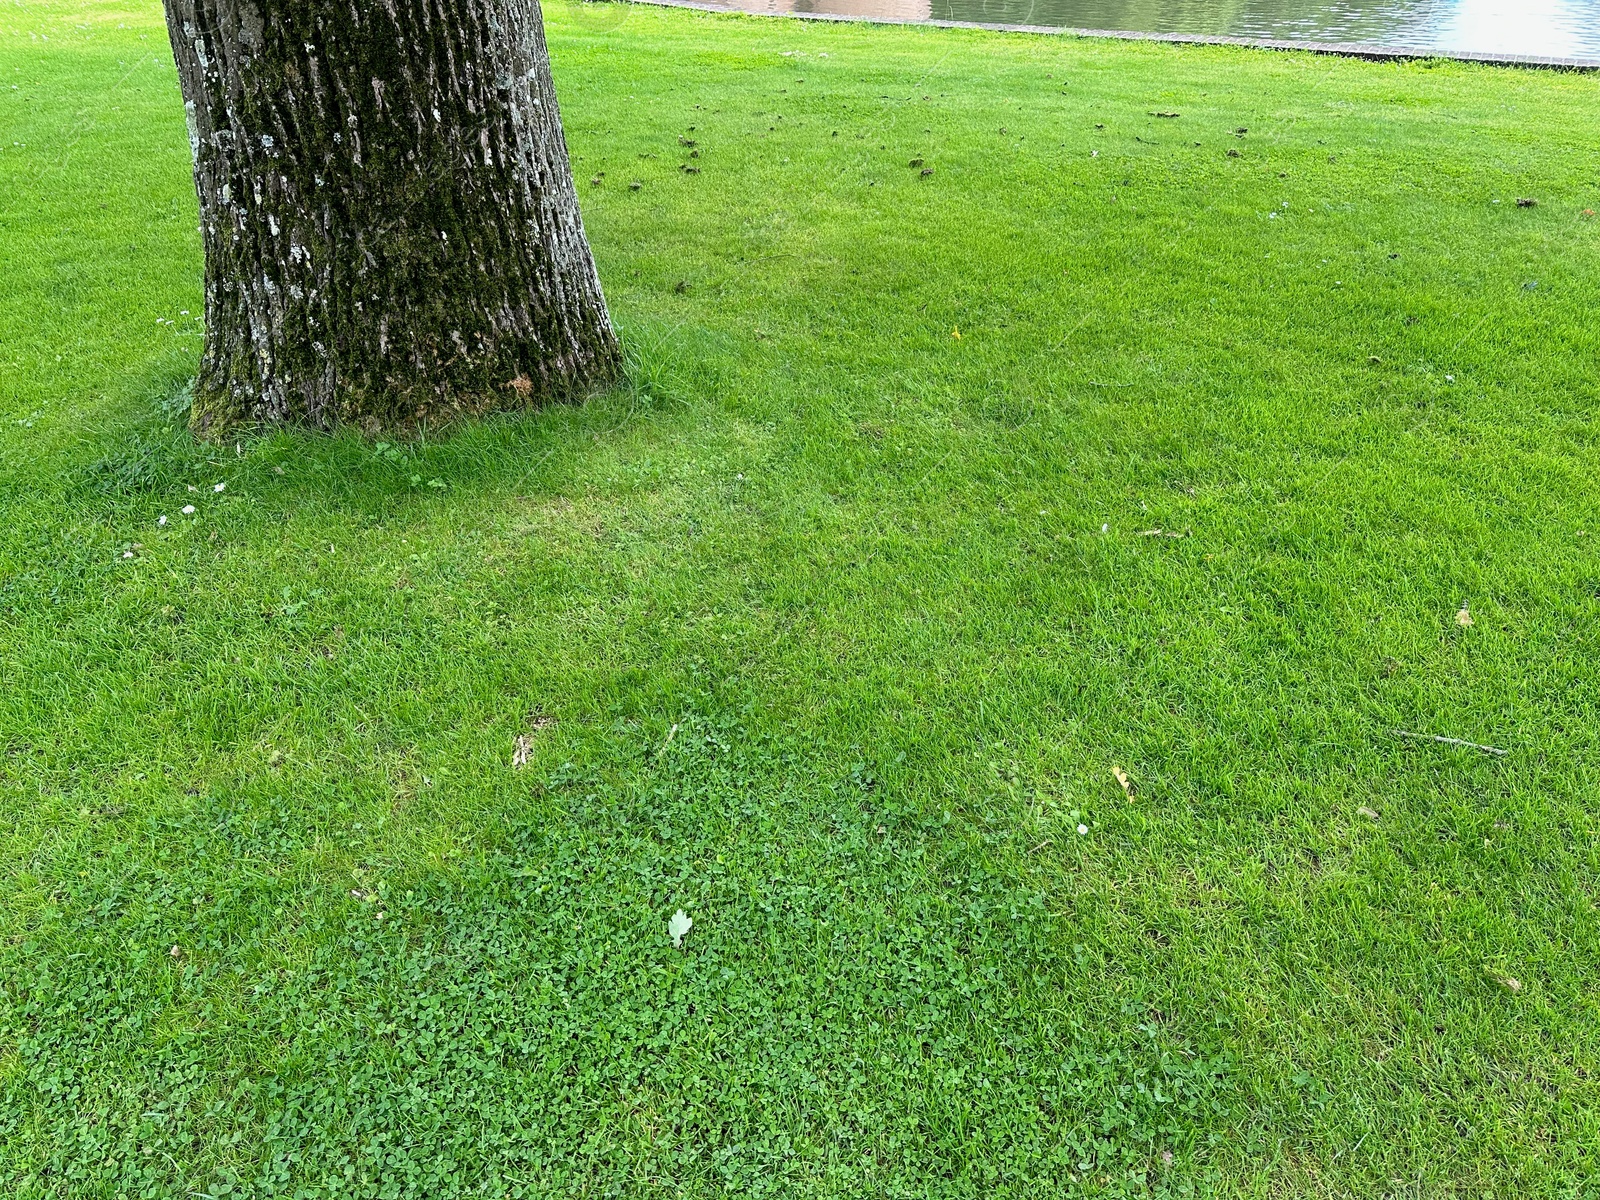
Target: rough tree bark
390 226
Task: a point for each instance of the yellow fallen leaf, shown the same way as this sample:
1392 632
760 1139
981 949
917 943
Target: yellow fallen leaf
1122 778
956 333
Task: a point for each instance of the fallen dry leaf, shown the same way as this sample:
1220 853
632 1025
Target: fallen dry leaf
521 750
679 924
1367 813
1513 984
1122 778
1464 618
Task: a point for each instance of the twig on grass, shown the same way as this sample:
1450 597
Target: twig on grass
1450 741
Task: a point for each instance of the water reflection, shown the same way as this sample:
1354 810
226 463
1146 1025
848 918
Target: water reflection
1554 28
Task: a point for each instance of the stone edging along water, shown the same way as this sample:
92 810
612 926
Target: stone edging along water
1344 49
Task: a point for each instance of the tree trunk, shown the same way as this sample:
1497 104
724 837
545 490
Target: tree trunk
391 231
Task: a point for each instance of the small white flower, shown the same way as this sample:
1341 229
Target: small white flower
1272 216
127 554
162 519
1082 829
1449 378
188 510
1105 528
220 487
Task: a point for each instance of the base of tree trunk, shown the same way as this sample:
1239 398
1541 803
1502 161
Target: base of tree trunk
391 230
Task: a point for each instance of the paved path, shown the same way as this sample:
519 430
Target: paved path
1347 49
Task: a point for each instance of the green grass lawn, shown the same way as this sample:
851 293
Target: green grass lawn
830 629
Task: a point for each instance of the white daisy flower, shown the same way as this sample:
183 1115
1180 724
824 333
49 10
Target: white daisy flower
162 519
188 510
220 487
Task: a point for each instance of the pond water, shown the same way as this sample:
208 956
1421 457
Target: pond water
1534 28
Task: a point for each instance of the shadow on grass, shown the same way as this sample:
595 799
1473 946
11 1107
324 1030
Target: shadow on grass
865 997
150 454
